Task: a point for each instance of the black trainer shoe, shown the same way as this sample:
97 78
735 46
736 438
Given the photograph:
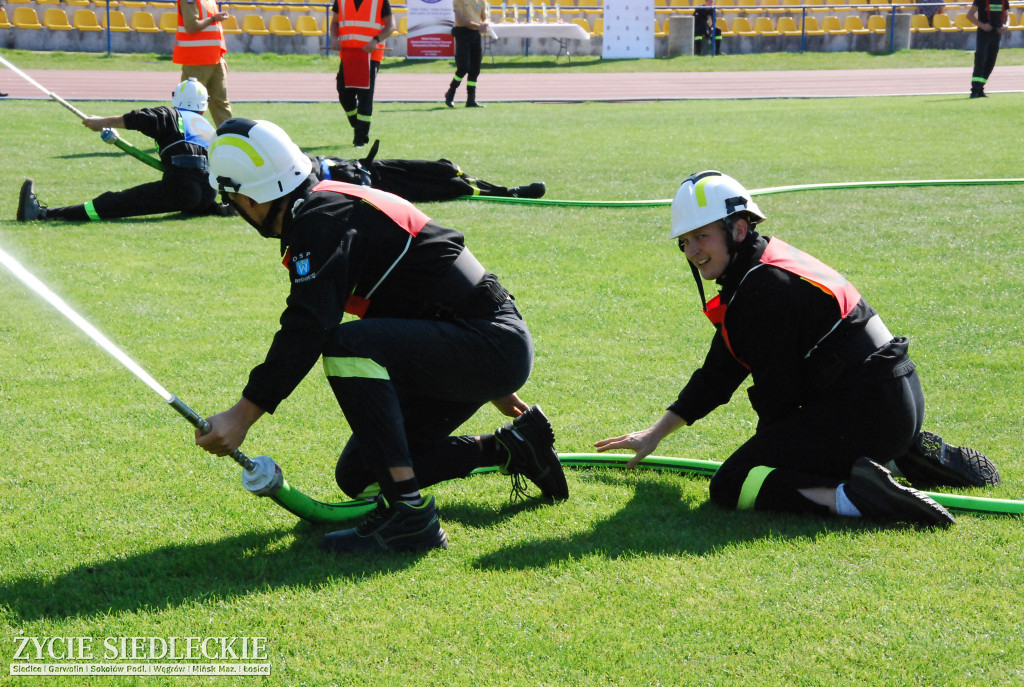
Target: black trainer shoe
931 462
402 527
876 495
530 443
29 208
473 103
359 139
535 190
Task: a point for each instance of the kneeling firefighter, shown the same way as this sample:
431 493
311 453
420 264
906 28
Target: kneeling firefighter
437 337
836 395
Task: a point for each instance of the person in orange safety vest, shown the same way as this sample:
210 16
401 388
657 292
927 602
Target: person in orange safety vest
199 48
358 30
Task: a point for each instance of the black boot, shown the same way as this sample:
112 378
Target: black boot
401 527
931 462
471 97
449 95
534 190
877 496
529 443
29 208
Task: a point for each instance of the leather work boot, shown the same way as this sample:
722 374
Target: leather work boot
401 527
931 462
29 208
876 495
530 443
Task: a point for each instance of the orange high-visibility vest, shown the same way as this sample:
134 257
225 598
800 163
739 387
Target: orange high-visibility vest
810 269
357 26
203 47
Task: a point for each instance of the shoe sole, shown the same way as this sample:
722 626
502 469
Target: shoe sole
915 507
956 466
23 199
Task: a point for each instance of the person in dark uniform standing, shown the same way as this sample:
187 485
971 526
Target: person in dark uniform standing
437 337
417 181
990 18
704 28
359 29
471 22
182 135
836 395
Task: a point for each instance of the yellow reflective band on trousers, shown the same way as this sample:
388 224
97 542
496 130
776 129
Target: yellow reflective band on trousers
354 367
752 487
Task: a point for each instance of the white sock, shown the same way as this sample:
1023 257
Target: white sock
844 506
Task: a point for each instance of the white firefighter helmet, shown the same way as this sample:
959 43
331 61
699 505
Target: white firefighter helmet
190 95
256 158
707 197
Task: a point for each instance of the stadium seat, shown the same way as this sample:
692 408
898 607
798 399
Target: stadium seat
85 20
132 4
169 22
25 18
77 3
787 26
772 6
811 27
230 25
837 5
832 27
763 27
583 23
943 23
658 31
158 6
853 25
55 18
4 22
961 22
307 25
738 6
253 25
598 29
877 24
919 24
1011 22
118 24
280 26
142 22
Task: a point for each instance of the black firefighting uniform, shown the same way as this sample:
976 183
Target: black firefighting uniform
702 31
438 335
417 181
994 13
357 103
825 392
184 186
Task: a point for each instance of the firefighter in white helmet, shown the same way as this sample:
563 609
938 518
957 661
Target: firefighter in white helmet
836 395
437 336
182 135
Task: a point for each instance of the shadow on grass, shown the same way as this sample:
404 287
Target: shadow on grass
189 572
656 521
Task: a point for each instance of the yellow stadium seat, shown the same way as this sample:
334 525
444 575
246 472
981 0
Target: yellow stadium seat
118 24
308 26
877 24
4 23
787 26
230 25
943 23
853 24
77 3
56 19
253 25
961 22
1011 22
25 18
85 20
658 31
772 6
142 22
582 23
169 22
738 6
598 29
134 4
722 25
156 5
919 24
763 27
280 26
832 27
837 5
812 28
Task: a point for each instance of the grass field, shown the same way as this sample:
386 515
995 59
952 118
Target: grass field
117 526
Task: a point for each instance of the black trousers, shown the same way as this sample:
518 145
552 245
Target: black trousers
439 374
985 54
185 191
357 102
816 445
469 54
